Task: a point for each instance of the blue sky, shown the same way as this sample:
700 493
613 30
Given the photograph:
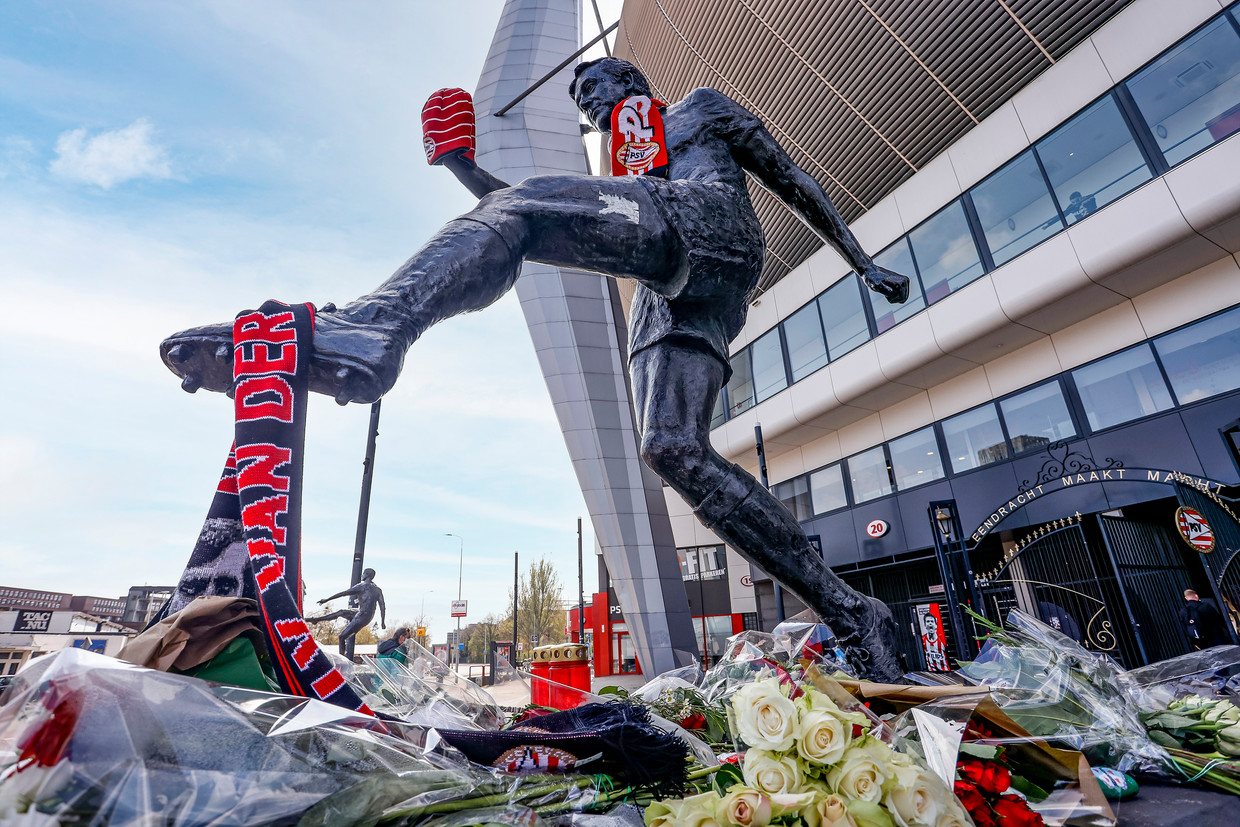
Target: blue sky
169 164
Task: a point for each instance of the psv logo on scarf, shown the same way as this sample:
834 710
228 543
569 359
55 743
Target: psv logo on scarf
637 143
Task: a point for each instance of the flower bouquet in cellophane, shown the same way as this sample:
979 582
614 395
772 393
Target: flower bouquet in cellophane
812 757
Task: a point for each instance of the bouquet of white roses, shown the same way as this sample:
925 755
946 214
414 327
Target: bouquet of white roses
810 762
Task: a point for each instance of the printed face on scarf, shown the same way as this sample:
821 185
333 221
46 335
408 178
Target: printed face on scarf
223 577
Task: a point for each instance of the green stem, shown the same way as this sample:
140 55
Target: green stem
458 804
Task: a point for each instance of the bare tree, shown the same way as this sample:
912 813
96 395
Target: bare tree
540 616
480 635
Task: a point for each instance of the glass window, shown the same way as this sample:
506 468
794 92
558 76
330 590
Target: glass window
843 317
826 489
1204 359
716 416
1037 417
807 349
740 386
974 439
915 458
869 475
946 254
898 259
1092 160
795 494
1015 209
1190 96
769 377
1122 387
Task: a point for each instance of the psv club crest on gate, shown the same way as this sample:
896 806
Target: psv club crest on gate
1194 529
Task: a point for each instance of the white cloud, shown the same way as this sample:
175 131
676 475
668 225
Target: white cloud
111 157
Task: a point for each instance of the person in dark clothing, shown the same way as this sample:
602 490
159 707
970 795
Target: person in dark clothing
1202 622
394 647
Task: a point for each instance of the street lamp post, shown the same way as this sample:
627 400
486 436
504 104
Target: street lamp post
460 578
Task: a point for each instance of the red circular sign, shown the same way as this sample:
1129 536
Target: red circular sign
746 580
1194 529
877 528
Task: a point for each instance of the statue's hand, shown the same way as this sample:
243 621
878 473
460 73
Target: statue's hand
448 125
881 280
321 602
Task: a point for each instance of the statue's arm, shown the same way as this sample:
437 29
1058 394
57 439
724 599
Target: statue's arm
448 136
757 151
382 609
476 179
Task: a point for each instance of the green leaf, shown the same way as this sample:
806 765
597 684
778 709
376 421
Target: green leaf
728 776
612 690
984 751
1031 791
1163 739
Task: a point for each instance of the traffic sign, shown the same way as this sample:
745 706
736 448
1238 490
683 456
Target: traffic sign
459 608
421 631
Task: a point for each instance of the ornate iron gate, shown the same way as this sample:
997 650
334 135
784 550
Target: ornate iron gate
1057 575
1222 561
1153 576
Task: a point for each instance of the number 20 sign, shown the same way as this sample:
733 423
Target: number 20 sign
877 528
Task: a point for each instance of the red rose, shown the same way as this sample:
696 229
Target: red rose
695 721
970 769
977 730
1013 811
969 797
995 779
983 816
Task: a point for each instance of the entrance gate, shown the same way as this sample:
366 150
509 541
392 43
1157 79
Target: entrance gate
1222 562
1055 574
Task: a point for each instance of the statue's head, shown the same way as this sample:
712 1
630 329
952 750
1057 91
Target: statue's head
598 85
368 574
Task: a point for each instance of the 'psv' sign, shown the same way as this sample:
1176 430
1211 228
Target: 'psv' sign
1194 529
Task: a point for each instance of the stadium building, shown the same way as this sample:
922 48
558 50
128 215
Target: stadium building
1050 423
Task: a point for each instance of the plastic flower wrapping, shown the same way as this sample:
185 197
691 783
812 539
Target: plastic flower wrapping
1056 689
86 739
812 756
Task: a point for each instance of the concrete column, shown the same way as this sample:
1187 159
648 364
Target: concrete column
578 329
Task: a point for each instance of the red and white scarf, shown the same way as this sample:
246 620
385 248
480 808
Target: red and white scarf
638 146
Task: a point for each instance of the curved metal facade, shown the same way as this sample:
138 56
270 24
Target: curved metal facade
861 93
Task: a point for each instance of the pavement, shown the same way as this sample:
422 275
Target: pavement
1157 805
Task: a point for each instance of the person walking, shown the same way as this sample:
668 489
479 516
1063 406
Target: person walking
1202 622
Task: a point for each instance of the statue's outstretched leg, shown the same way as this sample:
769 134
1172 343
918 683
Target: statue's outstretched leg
355 625
359 348
676 388
346 613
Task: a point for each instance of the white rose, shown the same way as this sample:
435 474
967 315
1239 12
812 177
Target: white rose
699 811
861 773
663 813
745 807
830 811
916 798
764 717
770 773
953 816
821 737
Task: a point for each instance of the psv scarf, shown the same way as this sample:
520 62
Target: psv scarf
260 490
637 143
